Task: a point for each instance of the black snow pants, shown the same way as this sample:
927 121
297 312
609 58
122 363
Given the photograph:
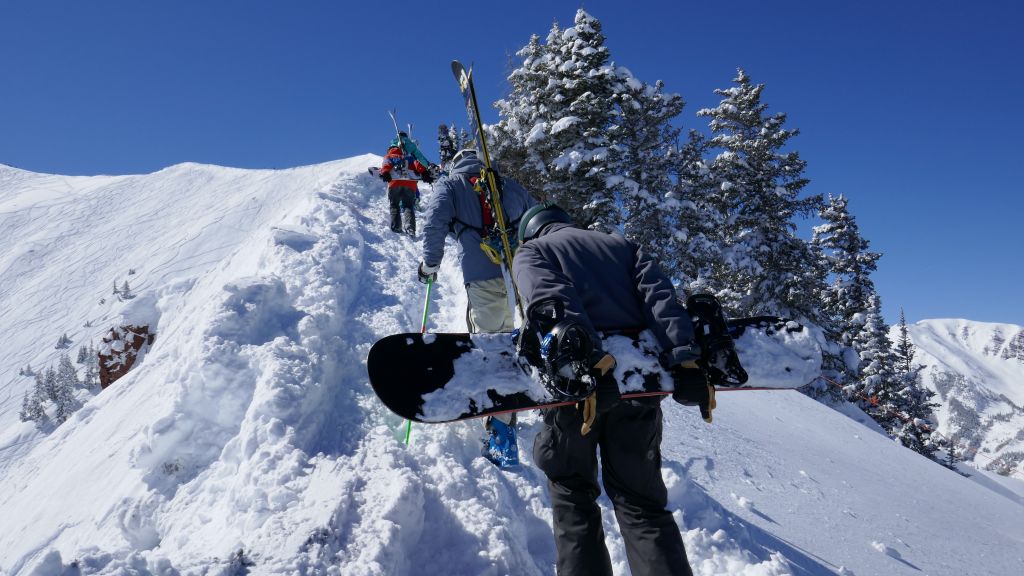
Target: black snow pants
403 215
629 436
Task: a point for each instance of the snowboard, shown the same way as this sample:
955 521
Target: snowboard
448 377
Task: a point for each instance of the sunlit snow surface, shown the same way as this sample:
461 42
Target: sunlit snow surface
248 440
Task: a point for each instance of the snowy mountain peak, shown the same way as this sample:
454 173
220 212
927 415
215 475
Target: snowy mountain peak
977 369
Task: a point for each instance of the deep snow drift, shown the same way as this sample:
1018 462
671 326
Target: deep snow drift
248 441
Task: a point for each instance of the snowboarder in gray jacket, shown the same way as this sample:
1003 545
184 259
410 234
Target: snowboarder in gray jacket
606 283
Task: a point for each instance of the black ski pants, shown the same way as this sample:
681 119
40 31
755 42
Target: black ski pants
403 203
629 436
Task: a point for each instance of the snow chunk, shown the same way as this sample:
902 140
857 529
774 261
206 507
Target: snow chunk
887 550
565 123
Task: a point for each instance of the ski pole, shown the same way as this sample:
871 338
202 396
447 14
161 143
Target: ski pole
423 330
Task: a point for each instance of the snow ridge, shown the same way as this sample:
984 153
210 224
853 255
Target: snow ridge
248 440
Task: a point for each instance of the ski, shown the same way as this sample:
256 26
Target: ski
465 80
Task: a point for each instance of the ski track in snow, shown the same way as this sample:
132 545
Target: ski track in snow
250 424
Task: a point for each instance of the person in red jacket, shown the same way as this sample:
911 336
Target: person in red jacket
401 171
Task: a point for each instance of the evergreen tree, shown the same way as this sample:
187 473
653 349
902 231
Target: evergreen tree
767 269
66 373
82 354
91 378
952 453
905 351
556 134
645 141
693 238
39 393
32 409
849 264
525 114
446 142
877 389
26 408
50 384
843 253
65 380
915 400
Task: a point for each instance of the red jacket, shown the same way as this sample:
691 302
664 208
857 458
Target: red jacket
404 169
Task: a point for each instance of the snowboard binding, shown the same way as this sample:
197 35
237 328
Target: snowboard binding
561 350
718 353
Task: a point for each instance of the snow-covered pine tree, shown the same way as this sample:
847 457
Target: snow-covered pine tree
692 244
25 414
904 352
66 372
768 269
560 129
446 144
40 392
26 404
850 265
525 113
877 389
82 354
915 400
844 299
50 384
464 140
644 142
66 380
90 380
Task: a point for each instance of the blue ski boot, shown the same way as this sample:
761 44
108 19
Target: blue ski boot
501 446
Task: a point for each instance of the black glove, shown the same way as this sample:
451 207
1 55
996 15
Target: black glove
426 273
692 388
427 178
385 176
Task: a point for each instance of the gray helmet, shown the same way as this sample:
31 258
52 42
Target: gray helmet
538 217
462 154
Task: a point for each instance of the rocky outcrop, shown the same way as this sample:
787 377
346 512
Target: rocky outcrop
119 350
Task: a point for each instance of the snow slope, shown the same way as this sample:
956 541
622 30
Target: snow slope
248 441
977 370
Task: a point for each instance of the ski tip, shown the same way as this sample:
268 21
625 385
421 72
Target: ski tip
459 70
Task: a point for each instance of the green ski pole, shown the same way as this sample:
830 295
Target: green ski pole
423 330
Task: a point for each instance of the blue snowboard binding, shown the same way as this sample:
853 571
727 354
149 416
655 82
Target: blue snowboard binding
501 446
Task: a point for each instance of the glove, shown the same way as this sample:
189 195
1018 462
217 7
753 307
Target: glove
385 176
692 388
427 177
426 273
606 395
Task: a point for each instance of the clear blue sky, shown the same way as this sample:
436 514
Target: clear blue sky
913 109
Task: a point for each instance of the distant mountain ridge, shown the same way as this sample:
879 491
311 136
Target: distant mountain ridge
977 371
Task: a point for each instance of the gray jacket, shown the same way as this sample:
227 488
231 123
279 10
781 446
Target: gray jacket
453 209
607 283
